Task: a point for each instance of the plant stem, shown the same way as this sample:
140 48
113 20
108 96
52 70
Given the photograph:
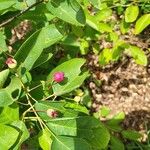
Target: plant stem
48 97
19 14
35 87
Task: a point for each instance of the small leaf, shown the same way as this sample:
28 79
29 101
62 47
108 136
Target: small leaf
84 47
139 55
105 56
118 49
131 135
69 11
142 23
131 13
104 111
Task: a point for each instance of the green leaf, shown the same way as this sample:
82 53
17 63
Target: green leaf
3 77
117 119
71 40
73 76
116 144
45 140
96 3
113 36
33 47
91 21
131 134
118 49
23 133
124 26
103 14
85 127
139 55
131 13
84 47
9 114
142 23
3 47
8 136
42 59
11 92
105 56
64 109
70 143
104 111
40 15
114 123
69 11
4 4
104 27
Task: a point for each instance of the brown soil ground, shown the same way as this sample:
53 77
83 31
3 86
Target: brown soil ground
125 86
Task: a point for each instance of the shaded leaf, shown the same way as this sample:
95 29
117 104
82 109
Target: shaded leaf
88 128
33 47
70 143
131 135
69 11
116 143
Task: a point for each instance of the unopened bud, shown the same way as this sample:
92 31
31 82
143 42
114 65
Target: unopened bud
11 63
77 99
52 113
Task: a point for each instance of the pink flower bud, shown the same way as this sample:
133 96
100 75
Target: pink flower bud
58 77
12 63
52 113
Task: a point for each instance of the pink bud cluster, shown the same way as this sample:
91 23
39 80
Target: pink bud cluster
59 77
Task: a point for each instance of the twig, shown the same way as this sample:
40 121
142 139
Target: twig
19 14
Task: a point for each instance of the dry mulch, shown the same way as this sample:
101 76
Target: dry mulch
124 86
